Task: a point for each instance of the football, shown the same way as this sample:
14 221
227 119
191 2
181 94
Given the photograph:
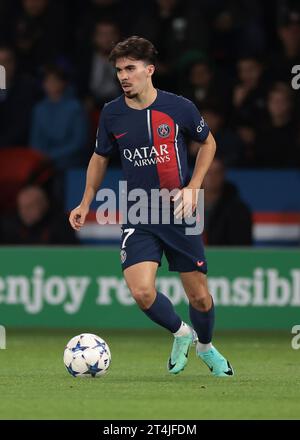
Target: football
87 355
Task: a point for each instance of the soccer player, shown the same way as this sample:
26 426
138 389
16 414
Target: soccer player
149 127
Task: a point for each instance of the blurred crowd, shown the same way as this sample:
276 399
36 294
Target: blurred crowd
233 58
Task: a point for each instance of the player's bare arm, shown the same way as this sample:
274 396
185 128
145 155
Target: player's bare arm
189 194
94 177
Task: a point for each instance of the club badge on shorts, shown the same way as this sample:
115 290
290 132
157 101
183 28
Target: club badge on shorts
123 256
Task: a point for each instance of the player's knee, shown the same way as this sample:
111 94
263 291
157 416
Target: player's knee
143 295
201 301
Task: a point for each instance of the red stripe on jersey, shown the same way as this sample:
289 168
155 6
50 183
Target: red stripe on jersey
167 165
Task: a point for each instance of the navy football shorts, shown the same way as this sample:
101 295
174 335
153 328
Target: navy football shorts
148 242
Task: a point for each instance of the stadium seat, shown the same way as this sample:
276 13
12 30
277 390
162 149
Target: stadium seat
20 166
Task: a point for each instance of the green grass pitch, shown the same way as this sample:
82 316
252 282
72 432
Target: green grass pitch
34 383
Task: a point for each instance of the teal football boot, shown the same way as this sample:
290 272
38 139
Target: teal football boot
218 365
180 351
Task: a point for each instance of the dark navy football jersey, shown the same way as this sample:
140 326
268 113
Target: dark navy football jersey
152 141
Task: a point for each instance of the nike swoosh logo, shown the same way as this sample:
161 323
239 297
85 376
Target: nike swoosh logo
229 372
173 365
118 136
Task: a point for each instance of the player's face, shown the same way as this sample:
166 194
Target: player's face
134 75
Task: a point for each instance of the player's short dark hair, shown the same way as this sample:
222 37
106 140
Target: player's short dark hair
134 47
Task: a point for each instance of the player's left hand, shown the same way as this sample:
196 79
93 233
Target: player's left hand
188 202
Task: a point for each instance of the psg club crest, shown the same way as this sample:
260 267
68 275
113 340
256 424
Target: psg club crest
163 130
123 256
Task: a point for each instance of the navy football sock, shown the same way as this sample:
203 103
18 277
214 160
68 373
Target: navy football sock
203 323
162 312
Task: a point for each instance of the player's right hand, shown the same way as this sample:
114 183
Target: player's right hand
77 217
